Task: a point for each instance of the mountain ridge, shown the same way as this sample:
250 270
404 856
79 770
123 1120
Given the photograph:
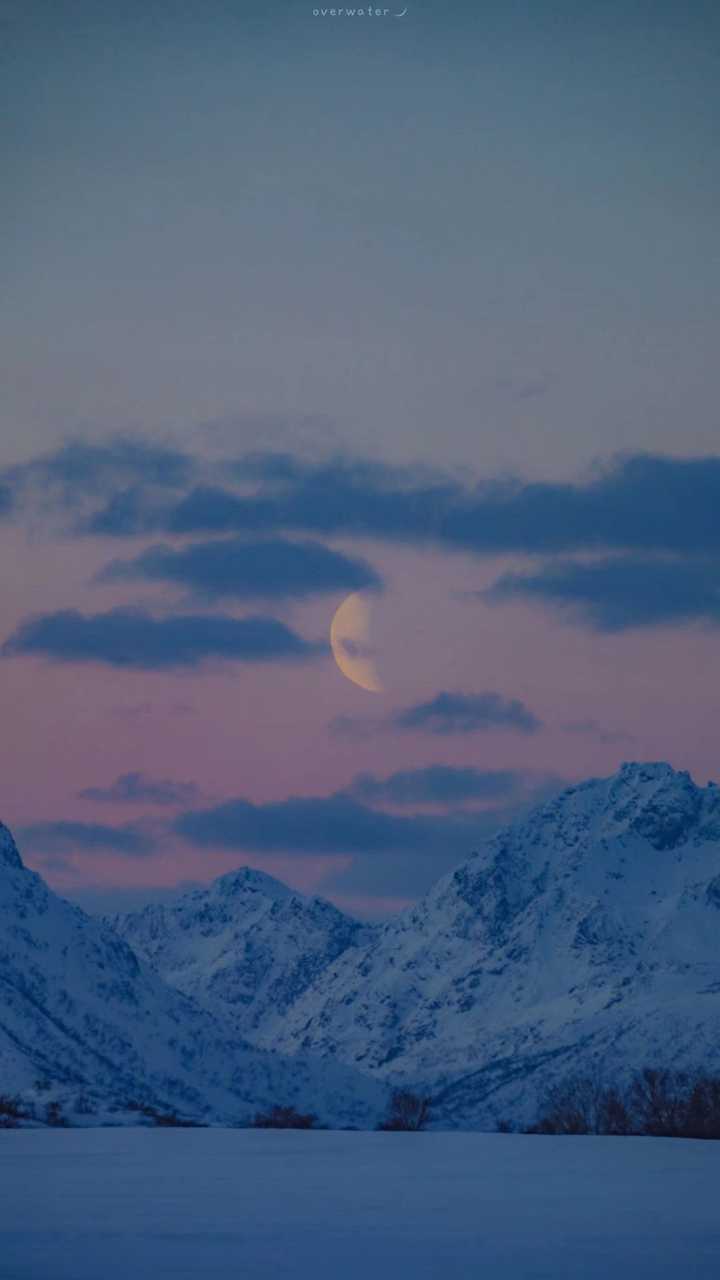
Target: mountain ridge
83 1015
246 947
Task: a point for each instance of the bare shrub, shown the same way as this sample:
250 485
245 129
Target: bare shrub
165 1119
11 1112
279 1117
408 1112
54 1116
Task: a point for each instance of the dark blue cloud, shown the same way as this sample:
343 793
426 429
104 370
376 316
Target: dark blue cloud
138 788
79 469
437 784
231 567
322 825
646 502
129 511
108 901
327 503
593 729
639 503
83 465
619 593
467 713
68 836
6 500
133 638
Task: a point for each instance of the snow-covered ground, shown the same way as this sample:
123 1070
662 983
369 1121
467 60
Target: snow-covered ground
115 1204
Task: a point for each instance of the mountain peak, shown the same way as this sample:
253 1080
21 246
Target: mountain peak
651 800
646 770
9 856
656 801
653 774
246 946
249 879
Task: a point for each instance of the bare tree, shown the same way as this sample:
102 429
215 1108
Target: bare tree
570 1106
613 1114
702 1118
658 1101
583 1104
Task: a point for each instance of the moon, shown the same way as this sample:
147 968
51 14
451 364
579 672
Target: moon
349 641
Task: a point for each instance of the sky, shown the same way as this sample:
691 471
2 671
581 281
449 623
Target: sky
298 304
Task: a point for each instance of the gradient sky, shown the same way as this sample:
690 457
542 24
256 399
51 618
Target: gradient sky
299 304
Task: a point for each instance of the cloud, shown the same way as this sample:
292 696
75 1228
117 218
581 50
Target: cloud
618 593
391 854
235 568
408 874
79 469
359 727
593 729
132 638
113 899
321 825
128 512
467 713
64 836
138 788
437 784
6 500
640 503
637 503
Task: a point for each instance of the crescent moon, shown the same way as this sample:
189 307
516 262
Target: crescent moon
349 636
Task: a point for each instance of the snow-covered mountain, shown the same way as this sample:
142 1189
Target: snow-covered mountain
82 1016
585 939
247 947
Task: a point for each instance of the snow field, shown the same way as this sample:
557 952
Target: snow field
111 1204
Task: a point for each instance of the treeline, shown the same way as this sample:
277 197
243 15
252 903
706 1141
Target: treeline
656 1102
407 1112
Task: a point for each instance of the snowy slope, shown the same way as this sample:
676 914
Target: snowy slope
586 938
78 1010
247 947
